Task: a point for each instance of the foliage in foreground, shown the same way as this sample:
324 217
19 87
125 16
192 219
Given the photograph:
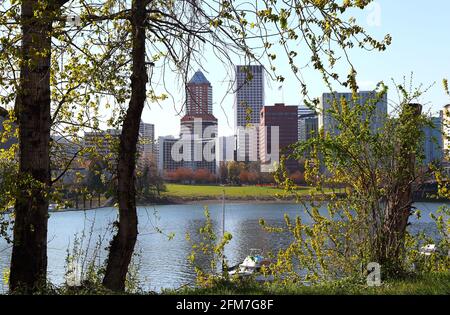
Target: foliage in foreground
379 165
342 235
34 34
430 284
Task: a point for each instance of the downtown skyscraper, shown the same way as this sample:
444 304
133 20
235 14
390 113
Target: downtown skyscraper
195 149
198 95
249 100
199 108
249 96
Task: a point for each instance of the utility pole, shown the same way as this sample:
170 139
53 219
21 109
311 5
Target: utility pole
223 227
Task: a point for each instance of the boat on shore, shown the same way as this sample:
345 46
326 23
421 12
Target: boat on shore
252 267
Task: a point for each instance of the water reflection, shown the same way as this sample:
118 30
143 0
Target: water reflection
164 262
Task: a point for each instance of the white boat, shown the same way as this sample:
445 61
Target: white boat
251 266
428 249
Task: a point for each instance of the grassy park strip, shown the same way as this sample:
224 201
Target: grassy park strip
206 192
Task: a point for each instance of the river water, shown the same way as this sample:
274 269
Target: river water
163 261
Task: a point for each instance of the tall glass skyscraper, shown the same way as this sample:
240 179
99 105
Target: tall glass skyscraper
249 96
249 100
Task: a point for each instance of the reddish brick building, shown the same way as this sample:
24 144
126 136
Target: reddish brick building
199 126
199 108
198 95
285 118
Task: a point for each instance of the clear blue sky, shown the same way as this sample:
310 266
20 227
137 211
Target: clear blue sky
421 43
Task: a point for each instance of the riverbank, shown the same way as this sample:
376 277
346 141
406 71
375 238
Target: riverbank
192 201
178 194
206 201
429 284
209 201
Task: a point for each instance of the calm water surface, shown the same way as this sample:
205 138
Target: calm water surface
163 262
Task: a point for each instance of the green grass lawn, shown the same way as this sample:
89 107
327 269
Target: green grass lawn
213 192
427 284
430 284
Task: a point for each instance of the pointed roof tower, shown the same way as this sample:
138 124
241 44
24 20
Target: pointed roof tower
199 78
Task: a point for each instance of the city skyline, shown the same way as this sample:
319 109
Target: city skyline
224 148
429 61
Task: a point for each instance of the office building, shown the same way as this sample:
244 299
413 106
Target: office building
166 162
308 123
249 95
198 95
433 142
445 114
147 146
196 146
191 153
329 124
199 119
104 141
249 100
278 130
226 149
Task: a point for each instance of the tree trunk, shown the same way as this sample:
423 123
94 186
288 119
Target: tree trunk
399 206
122 245
29 252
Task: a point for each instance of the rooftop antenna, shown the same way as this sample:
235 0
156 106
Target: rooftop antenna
280 88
